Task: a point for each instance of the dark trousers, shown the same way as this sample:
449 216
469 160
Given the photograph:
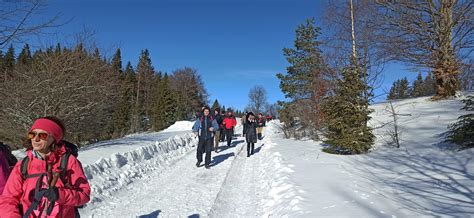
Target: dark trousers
223 132
228 134
250 147
204 146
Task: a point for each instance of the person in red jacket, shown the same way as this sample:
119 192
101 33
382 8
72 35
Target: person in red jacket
42 193
229 123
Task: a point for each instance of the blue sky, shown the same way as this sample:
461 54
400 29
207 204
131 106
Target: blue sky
233 44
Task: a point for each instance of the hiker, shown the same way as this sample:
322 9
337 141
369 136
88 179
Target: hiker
250 133
217 136
46 190
7 161
261 125
243 120
204 128
229 123
222 128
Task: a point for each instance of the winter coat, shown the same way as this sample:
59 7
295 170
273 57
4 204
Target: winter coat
202 125
229 122
261 122
250 131
219 120
21 191
4 170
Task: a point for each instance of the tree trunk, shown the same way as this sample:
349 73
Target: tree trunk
446 66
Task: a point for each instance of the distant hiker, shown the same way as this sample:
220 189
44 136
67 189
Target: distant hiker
223 132
204 128
7 161
243 120
261 125
229 124
269 117
250 133
217 137
38 183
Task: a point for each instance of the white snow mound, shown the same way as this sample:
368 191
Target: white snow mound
180 126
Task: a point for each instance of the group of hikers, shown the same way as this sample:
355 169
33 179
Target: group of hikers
49 181
211 129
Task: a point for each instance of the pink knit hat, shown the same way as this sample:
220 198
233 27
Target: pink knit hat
49 126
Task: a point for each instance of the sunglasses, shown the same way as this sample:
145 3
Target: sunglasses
41 135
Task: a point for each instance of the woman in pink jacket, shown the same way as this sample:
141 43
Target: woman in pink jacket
42 193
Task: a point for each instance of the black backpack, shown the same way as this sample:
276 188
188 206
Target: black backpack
71 150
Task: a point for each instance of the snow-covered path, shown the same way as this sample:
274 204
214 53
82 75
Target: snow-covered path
182 189
171 184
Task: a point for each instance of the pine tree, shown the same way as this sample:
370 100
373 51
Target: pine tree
393 94
462 132
347 115
430 86
9 63
164 104
306 80
400 90
404 89
215 105
24 58
417 87
122 112
144 91
58 50
117 64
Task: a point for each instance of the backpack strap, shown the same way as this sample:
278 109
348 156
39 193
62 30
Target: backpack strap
63 167
24 169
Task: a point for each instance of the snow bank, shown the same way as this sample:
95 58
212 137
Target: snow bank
108 175
282 195
180 126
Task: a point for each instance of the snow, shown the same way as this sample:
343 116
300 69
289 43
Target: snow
154 174
421 178
180 126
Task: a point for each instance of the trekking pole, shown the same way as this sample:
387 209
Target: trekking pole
52 180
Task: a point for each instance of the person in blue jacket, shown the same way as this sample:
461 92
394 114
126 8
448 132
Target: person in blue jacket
204 128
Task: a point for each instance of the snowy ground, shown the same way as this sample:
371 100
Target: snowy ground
234 186
421 178
154 174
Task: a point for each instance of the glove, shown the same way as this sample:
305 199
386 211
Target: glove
52 194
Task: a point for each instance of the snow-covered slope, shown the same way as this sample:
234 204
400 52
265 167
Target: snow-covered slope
419 179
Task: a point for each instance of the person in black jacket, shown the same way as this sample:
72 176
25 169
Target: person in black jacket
204 128
218 132
261 125
250 133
